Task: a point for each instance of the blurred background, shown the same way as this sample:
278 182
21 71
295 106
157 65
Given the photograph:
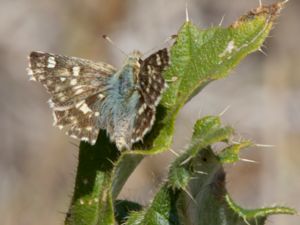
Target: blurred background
38 162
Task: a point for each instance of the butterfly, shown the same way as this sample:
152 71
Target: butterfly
87 96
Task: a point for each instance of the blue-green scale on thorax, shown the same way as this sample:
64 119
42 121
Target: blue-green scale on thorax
118 112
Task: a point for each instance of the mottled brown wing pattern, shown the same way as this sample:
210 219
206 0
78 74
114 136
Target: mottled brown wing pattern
152 85
75 85
143 123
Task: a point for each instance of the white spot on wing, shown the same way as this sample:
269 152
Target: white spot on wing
89 128
29 72
79 104
79 91
73 136
101 96
142 109
62 108
152 121
57 88
85 139
149 69
54 118
73 82
76 70
145 131
158 61
51 103
32 78
42 77
77 87
157 101
51 62
84 108
49 82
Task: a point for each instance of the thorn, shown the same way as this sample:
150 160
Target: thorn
201 172
225 110
244 218
187 19
262 51
248 160
222 20
190 195
265 146
63 212
170 38
112 162
186 160
173 152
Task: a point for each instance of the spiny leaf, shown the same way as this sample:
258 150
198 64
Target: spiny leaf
250 216
195 191
231 153
207 131
162 211
122 209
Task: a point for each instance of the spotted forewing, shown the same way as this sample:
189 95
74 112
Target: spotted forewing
78 86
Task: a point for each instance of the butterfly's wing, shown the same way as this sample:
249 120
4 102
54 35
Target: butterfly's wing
77 88
152 85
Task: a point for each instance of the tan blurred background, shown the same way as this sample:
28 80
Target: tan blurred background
38 162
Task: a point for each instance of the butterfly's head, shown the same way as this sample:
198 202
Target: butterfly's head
134 57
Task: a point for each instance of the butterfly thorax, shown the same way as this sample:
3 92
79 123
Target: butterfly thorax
120 109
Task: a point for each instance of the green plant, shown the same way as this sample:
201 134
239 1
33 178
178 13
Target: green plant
195 191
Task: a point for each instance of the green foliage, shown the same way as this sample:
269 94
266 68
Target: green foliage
195 191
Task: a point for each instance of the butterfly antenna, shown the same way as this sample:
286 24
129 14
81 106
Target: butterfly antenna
172 37
113 44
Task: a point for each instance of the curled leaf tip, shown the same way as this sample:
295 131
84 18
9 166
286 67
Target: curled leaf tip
272 10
